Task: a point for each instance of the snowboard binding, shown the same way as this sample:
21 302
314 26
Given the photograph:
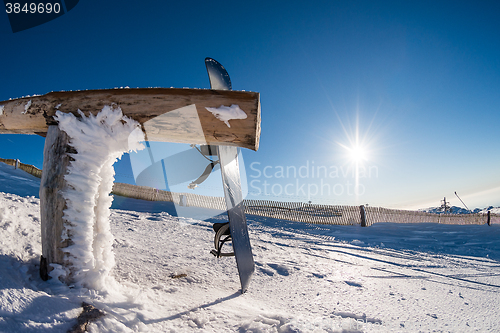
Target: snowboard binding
221 229
207 151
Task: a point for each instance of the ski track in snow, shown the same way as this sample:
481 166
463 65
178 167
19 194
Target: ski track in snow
385 278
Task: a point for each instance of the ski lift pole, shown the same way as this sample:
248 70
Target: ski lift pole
462 202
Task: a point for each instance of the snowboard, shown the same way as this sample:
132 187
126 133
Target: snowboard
228 159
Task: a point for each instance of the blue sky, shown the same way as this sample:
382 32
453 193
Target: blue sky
416 83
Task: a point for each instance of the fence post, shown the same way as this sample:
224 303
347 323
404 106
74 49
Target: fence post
52 204
489 218
363 215
182 200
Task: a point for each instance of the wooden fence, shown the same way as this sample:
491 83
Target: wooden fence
31 169
378 214
182 199
291 211
303 212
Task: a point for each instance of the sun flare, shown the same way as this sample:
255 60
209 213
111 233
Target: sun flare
357 153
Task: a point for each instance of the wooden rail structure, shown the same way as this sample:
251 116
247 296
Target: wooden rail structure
165 114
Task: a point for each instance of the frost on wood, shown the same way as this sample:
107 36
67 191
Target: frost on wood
99 141
26 107
226 113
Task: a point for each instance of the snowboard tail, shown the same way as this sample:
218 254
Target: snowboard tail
228 157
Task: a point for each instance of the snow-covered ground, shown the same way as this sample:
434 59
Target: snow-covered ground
309 278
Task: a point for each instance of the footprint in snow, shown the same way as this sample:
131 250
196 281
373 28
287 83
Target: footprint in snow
320 276
353 284
280 269
266 271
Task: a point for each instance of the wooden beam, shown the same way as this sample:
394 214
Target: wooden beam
33 115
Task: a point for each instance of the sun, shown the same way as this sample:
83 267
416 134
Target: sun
357 153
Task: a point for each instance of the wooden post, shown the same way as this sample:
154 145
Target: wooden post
182 200
363 215
52 204
489 218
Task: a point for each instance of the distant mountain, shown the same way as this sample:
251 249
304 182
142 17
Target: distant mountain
460 210
493 210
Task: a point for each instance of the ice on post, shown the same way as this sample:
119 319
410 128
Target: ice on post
99 141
